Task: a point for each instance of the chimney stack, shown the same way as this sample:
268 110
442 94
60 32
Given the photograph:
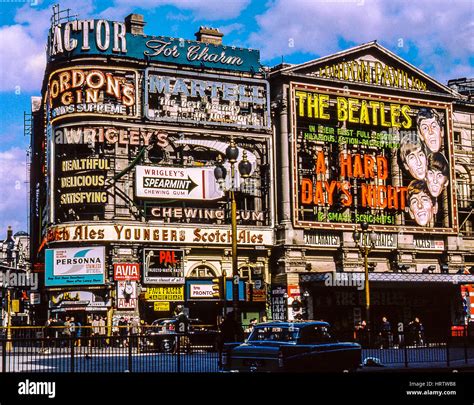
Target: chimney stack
9 232
134 24
209 35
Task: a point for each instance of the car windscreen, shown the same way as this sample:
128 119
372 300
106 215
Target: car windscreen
273 333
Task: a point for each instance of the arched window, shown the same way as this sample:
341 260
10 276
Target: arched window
245 273
202 271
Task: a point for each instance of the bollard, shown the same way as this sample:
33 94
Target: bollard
405 351
130 347
178 348
4 356
71 342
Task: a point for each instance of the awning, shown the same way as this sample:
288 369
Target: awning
401 277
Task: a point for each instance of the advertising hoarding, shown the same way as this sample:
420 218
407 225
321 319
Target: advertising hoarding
363 158
92 91
158 233
165 293
109 38
206 99
189 183
127 271
126 294
163 266
75 266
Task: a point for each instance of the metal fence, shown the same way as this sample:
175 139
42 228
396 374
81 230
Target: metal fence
36 349
135 353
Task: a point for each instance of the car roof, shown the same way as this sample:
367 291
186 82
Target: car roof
298 325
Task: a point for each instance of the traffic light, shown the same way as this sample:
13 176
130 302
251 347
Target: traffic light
218 287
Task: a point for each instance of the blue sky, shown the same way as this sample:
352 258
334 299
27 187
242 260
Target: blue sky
436 36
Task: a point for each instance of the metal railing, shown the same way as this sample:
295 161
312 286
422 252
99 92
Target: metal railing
126 353
40 349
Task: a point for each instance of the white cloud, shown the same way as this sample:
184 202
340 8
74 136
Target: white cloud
318 27
13 203
202 9
228 29
23 59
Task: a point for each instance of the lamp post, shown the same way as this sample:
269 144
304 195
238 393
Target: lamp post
220 173
8 346
365 245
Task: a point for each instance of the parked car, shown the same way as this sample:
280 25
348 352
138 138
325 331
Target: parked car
295 347
162 336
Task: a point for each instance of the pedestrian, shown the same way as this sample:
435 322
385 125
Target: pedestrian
230 331
135 330
250 327
102 332
72 327
386 333
48 334
418 331
95 332
78 333
123 326
66 331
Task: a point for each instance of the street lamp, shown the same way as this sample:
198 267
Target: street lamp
365 245
220 173
8 346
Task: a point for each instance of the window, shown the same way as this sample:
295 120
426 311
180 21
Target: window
457 136
315 334
202 271
277 334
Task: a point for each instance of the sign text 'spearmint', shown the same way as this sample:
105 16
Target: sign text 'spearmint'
148 233
194 183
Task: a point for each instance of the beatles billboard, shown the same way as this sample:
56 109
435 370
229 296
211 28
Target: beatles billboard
358 157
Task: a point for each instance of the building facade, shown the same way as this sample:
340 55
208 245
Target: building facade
364 137
127 216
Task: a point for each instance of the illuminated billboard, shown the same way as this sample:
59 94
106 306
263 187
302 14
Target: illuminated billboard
74 266
92 91
359 158
163 266
206 99
194 183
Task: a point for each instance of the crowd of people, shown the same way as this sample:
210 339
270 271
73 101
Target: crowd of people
94 331
384 336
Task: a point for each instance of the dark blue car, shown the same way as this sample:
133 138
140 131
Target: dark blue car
291 347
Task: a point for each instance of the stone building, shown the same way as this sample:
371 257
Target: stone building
357 137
